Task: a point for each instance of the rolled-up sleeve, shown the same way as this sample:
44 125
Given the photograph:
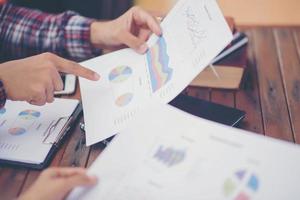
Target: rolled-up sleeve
26 32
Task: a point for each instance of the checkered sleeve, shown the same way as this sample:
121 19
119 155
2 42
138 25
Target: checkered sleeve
26 32
2 95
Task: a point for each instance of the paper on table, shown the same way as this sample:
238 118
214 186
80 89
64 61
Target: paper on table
170 154
23 128
194 32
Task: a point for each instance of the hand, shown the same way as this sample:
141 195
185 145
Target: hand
35 79
131 29
56 183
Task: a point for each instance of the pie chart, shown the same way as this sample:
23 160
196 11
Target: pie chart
120 74
2 111
29 114
124 99
16 131
241 186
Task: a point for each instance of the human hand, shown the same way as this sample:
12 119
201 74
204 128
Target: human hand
35 79
56 183
131 29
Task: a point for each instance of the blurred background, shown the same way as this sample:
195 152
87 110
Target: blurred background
246 12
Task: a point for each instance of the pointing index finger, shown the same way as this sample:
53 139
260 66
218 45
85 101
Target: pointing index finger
70 67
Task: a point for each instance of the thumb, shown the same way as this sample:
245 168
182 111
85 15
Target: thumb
133 42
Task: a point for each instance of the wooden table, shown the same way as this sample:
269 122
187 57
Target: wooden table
270 95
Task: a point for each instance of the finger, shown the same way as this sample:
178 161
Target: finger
39 98
142 17
158 14
144 34
133 42
70 67
79 180
50 92
38 101
65 172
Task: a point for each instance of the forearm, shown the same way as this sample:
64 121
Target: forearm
25 32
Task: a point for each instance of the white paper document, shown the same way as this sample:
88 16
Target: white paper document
27 132
169 154
194 32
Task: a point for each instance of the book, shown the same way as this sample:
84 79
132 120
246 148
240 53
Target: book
229 77
30 135
230 65
238 42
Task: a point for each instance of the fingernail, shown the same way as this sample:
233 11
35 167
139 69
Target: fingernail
160 32
96 76
143 48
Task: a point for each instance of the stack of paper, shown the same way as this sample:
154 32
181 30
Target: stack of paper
170 154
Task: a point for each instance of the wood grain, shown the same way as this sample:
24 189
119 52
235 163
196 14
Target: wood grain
224 97
288 55
11 181
76 153
247 98
200 93
273 102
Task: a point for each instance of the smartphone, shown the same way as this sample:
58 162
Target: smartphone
209 110
69 81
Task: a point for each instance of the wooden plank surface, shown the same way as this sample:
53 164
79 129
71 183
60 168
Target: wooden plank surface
11 181
247 98
270 95
200 93
287 42
273 102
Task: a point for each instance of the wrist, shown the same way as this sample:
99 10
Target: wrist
99 34
78 39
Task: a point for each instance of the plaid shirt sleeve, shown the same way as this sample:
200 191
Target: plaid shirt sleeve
2 95
26 32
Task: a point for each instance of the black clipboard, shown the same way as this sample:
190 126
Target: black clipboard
68 127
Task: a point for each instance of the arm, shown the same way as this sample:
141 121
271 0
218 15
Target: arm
25 32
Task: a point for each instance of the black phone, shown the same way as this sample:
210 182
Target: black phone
208 110
69 81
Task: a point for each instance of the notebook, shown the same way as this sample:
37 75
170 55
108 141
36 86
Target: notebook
30 135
